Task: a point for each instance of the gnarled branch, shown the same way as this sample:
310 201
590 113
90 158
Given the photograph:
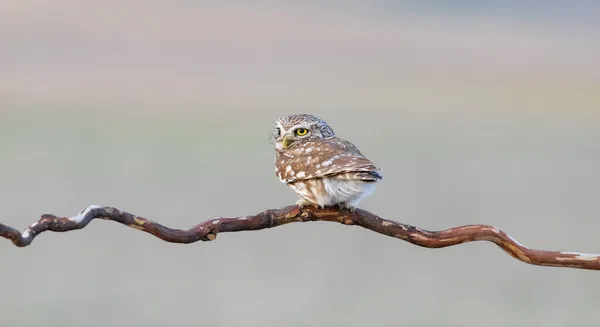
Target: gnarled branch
208 230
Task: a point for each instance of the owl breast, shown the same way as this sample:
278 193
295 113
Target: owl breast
331 191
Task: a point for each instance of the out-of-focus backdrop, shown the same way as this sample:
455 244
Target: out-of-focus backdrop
483 112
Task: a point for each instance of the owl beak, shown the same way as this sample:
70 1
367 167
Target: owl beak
287 140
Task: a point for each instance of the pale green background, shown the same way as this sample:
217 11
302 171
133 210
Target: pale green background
477 114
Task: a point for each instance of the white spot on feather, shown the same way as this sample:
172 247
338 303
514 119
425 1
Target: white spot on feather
308 150
215 221
301 174
288 168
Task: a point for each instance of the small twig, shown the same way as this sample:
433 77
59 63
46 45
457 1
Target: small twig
208 231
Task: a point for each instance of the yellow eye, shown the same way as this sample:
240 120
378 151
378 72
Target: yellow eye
301 131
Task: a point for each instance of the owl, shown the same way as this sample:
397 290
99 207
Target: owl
322 168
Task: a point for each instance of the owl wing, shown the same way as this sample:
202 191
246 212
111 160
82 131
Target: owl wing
370 176
323 158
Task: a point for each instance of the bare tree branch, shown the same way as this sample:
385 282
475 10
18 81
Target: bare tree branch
208 230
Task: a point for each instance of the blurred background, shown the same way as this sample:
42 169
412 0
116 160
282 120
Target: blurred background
477 112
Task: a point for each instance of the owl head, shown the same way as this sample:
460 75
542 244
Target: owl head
292 130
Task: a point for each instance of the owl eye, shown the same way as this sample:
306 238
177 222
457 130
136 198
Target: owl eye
301 131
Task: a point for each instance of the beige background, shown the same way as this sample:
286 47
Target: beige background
476 114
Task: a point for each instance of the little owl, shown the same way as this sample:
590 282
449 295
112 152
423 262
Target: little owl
323 169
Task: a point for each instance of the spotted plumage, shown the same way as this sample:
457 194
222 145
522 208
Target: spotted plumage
322 168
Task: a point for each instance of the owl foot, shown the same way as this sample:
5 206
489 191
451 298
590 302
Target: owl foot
303 203
345 207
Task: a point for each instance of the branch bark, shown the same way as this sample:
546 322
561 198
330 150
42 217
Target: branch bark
208 230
